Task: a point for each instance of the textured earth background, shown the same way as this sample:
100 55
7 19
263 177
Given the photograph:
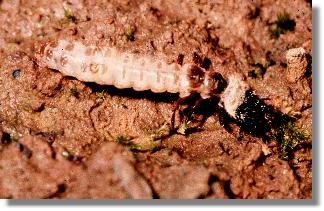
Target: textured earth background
63 138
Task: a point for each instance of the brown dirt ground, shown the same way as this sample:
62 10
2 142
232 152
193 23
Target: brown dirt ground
58 143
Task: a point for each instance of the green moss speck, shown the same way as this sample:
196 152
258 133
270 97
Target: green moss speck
283 23
129 34
259 69
162 131
289 136
69 16
183 127
189 124
74 92
101 95
275 33
127 141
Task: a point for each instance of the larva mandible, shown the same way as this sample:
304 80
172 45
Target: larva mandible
124 70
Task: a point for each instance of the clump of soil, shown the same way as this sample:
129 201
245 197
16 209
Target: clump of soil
63 138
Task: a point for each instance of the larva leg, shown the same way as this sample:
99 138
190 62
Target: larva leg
187 115
194 107
191 110
199 112
176 107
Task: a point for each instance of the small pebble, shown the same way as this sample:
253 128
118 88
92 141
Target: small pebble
16 73
297 64
66 154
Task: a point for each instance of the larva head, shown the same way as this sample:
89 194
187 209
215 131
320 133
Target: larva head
206 83
196 77
44 52
214 84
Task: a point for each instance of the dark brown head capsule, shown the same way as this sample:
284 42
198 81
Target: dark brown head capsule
216 83
196 77
208 84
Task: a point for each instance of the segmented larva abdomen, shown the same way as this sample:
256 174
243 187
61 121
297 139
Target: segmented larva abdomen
111 67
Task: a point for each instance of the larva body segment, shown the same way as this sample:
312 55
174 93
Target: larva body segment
110 67
125 70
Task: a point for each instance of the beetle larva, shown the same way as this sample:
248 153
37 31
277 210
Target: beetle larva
124 70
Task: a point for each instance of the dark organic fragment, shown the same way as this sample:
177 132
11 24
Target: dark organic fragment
16 73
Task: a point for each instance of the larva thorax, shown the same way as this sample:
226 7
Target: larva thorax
107 65
208 84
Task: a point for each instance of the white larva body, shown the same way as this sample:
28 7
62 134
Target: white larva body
110 67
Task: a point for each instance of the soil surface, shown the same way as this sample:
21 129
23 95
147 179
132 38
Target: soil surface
63 138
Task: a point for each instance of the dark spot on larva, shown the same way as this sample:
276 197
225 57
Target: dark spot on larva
57 59
64 60
84 67
159 65
94 68
48 54
52 44
69 47
19 146
196 76
142 62
41 49
45 49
